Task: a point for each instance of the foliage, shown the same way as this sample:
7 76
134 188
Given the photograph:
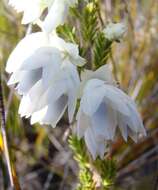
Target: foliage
102 48
80 155
106 168
37 156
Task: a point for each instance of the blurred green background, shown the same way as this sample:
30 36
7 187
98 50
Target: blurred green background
41 155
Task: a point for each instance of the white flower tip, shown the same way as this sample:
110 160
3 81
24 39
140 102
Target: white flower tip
32 121
125 138
143 133
7 69
70 116
94 155
10 82
24 21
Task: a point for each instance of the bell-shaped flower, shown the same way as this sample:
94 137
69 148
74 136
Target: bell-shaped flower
103 109
47 105
46 77
57 11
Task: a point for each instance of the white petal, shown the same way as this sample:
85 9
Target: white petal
99 123
73 86
70 50
53 114
38 116
72 101
36 90
25 49
31 14
78 61
83 122
91 100
104 122
41 58
24 108
56 91
27 81
16 77
101 148
113 96
116 100
133 135
135 119
18 5
104 73
73 52
32 100
31 9
86 74
123 127
56 16
91 142
36 98
96 146
72 72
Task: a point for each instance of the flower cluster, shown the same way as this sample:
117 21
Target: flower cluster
44 68
47 76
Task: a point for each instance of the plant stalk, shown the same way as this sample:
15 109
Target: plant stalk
4 136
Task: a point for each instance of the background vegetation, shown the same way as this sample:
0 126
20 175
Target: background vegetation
40 156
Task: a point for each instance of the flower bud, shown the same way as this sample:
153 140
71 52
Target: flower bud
115 32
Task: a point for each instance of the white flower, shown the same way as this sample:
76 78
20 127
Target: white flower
57 14
47 105
33 9
103 108
43 67
115 31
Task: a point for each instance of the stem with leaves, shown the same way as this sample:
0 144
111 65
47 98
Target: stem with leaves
93 174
